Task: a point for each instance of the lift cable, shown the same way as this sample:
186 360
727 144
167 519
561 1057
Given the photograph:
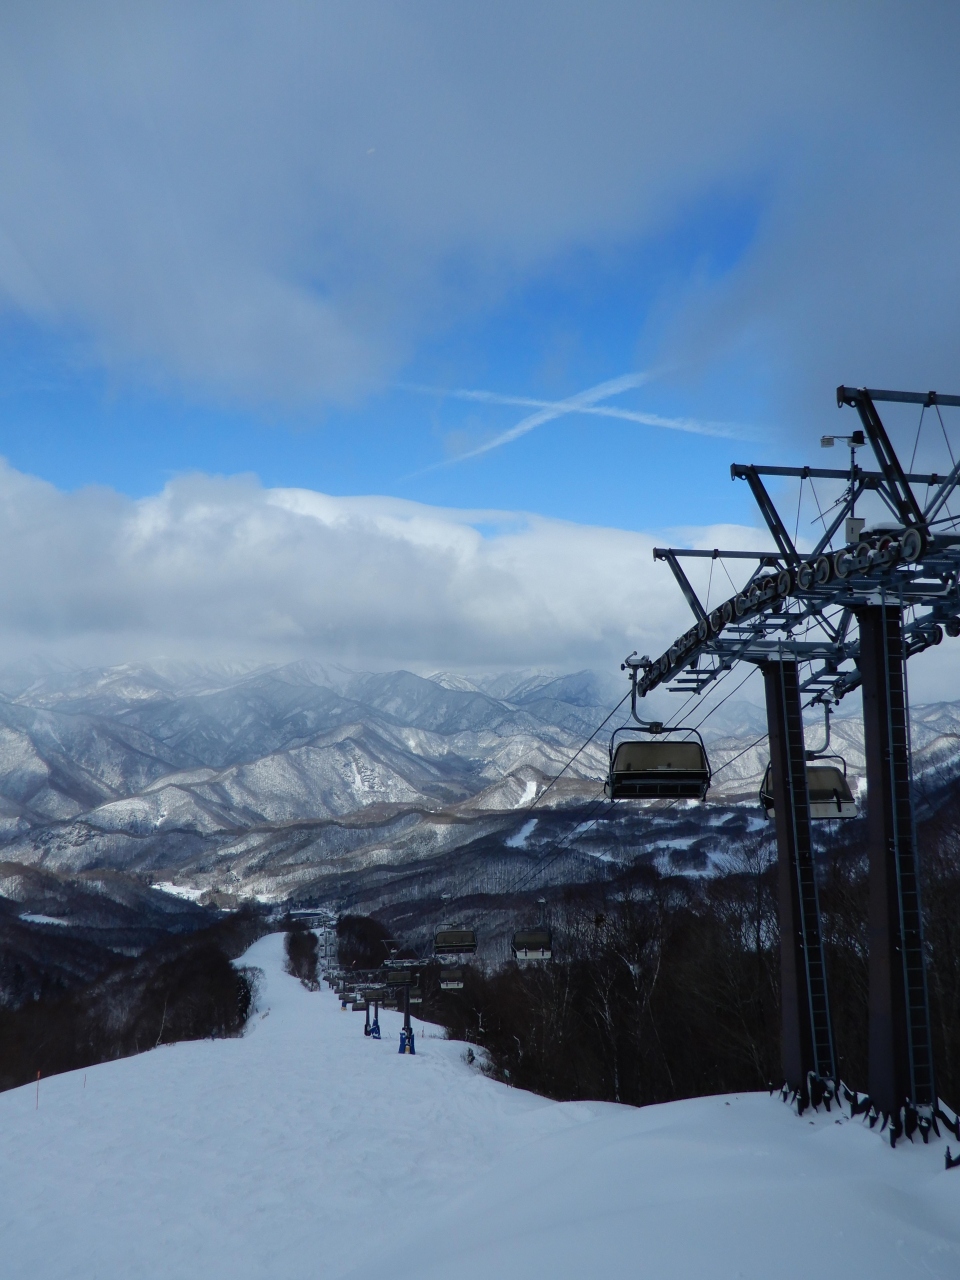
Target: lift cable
949 450
796 528
583 746
580 828
584 825
719 704
813 490
678 714
726 763
913 456
727 572
953 460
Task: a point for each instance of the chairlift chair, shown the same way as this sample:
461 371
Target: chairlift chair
673 769
454 942
828 790
827 787
451 979
532 945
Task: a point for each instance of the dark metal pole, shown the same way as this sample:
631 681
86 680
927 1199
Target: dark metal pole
807 1052
901 1058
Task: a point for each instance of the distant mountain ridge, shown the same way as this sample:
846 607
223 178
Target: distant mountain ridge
260 781
147 769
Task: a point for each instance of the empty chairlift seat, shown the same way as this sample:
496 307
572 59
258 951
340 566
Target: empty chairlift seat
532 945
451 979
827 787
454 942
671 770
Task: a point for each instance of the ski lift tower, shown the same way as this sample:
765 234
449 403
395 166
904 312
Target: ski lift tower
820 625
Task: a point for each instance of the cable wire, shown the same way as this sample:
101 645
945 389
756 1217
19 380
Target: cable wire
580 828
913 456
719 704
726 764
553 781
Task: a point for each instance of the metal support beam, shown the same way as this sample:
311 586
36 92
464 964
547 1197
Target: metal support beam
869 479
908 508
901 1058
769 512
806 1030
683 582
765 557
927 398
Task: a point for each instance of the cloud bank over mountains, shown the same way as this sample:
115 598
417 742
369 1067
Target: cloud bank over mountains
272 202
218 568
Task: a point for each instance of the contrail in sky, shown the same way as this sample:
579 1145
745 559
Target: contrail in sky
587 402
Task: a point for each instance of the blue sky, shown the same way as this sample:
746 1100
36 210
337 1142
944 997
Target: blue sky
585 319
264 241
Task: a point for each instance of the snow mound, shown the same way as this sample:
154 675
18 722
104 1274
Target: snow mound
305 1150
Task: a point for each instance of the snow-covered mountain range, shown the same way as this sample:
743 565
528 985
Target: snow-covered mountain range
284 780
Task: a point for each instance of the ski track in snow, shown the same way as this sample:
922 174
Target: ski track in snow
305 1150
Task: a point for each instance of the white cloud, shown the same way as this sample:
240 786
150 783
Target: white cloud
217 569
223 568
278 200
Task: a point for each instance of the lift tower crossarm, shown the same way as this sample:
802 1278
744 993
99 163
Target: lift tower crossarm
769 512
871 479
683 582
765 557
926 398
918 568
862 480
861 399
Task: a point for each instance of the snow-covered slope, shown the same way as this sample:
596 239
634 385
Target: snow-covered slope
305 1150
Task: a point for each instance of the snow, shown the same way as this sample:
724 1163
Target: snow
519 839
33 918
529 794
305 1150
179 890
